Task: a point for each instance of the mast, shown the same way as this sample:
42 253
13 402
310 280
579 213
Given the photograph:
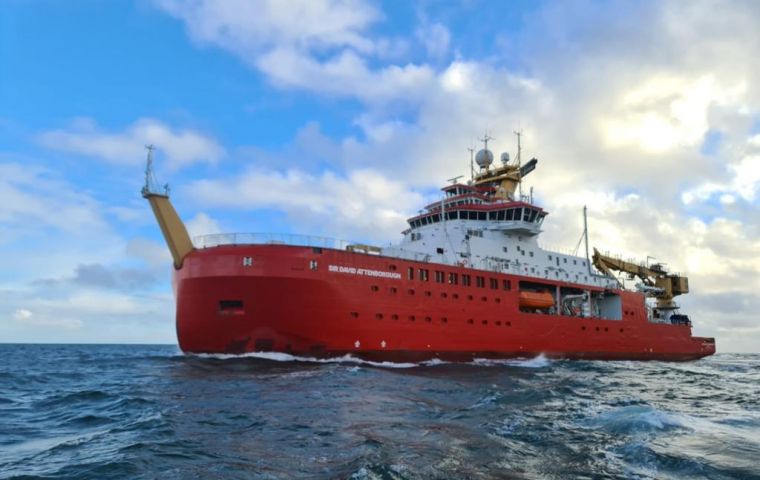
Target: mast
585 237
472 164
519 162
150 179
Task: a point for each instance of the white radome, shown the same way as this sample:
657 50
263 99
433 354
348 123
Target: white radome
484 158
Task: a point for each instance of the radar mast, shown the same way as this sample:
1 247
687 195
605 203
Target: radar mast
519 162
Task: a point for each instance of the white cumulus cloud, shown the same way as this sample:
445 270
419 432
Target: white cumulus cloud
180 147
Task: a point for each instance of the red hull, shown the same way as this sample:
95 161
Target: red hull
299 300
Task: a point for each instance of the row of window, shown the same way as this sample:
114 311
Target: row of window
575 261
454 278
529 215
428 293
441 320
470 321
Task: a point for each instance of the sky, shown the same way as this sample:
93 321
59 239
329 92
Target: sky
342 118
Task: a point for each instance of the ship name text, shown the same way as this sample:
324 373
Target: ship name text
363 271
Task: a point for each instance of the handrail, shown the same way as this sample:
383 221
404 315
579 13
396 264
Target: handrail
218 239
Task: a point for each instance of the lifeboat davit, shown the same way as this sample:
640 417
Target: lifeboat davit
531 299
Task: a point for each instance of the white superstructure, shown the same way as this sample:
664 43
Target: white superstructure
485 224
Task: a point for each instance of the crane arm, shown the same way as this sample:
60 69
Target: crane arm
665 285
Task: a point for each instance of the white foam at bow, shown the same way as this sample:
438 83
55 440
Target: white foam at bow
537 362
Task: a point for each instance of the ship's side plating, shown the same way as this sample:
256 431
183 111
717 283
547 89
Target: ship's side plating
325 302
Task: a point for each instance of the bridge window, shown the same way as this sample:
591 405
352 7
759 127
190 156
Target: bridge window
465 280
453 278
482 216
505 284
510 214
410 273
494 283
480 282
438 276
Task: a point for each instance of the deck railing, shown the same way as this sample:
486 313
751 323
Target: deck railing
217 239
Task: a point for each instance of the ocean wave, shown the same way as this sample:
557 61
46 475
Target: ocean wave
151 411
635 419
541 361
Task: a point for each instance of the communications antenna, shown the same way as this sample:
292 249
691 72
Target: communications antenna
472 163
519 161
485 140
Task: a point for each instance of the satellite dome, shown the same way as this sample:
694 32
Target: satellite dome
505 158
484 158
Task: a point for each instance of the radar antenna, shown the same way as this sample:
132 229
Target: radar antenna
453 181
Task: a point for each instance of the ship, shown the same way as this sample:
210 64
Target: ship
468 280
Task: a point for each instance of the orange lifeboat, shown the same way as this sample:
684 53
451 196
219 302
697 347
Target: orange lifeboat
530 299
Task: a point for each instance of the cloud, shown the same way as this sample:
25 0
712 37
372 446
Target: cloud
22 314
668 112
26 317
249 27
180 147
98 275
32 198
345 74
436 39
743 176
364 203
315 45
67 274
202 224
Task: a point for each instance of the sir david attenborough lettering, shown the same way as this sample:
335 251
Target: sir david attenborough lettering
364 272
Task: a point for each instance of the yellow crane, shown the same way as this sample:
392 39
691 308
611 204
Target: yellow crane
657 281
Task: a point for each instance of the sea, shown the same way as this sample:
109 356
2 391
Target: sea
144 412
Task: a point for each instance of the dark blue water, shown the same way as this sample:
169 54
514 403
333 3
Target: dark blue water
149 412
